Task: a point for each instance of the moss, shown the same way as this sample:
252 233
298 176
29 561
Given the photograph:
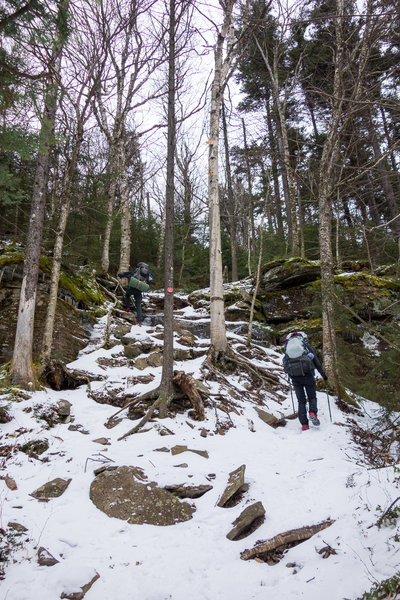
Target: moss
82 283
11 255
356 280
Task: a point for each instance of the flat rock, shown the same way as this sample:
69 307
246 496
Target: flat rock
45 559
235 485
119 494
84 589
52 489
269 419
188 491
17 527
179 449
248 521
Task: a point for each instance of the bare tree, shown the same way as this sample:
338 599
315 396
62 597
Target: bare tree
133 52
226 53
21 369
84 68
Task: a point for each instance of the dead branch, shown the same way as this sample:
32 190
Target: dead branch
127 405
380 520
145 419
187 384
281 540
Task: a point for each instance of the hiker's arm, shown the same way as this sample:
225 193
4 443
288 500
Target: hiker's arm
125 274
317 363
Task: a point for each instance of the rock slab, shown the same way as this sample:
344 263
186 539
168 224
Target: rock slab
119 494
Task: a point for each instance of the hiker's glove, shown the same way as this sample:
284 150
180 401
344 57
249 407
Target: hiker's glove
310 355
324 376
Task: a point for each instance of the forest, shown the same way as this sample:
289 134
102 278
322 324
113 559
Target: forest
203 138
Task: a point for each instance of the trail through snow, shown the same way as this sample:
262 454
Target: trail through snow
302 478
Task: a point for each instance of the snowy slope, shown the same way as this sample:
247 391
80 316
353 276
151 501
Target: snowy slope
302 478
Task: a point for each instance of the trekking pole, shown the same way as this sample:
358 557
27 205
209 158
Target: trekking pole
291 393
329 404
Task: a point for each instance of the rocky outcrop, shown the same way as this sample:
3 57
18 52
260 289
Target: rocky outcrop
78 292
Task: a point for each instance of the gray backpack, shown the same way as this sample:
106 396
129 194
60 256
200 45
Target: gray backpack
297 361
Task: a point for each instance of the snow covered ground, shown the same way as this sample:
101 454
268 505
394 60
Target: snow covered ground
302 478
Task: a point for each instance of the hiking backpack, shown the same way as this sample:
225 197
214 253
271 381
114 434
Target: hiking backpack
142 271
297 362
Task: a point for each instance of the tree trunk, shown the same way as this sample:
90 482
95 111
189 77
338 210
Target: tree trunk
166 386
283 144
21 369
57 251
251 201
125 251
221 75
105 257
231 201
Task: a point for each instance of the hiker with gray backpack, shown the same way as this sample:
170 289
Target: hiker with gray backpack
139 280
299 362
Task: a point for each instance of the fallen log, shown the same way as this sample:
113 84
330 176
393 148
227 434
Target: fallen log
187 384
283 540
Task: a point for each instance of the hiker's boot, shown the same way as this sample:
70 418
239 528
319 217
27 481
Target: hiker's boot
314 419
304 427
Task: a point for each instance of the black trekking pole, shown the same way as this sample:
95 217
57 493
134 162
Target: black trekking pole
291 393
329 404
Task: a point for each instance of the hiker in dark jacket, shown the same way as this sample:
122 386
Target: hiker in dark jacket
142 273
304 385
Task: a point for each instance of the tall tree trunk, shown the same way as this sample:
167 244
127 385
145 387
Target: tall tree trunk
231 200
166 386
21 369
57 251
283 144
125 250
392 203
251 201
277 204
105 256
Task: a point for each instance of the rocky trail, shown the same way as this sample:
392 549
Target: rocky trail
241 504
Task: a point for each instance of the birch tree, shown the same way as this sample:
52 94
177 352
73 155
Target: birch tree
226 53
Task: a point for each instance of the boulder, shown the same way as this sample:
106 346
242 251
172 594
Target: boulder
119 494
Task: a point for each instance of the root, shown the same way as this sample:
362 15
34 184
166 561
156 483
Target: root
146 417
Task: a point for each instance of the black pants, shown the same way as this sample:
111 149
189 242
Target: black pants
137 294
305 389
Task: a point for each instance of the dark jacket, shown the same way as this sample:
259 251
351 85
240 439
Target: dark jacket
315 363
133 273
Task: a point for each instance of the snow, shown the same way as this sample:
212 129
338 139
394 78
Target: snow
302 478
